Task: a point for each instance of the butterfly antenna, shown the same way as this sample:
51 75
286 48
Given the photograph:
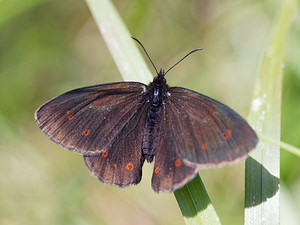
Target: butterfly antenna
198 49
145 52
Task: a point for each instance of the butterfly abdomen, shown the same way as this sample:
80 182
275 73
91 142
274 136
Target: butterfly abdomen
151 130
151 133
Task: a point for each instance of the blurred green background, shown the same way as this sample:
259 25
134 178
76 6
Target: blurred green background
50 47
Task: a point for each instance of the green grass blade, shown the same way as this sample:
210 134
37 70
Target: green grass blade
195 204
287 147
263 167
192 199
124 50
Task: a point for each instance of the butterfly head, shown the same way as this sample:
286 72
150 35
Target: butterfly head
161 73
160 80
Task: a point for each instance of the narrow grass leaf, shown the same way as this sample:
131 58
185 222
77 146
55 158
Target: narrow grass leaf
263 167
124 50
195 204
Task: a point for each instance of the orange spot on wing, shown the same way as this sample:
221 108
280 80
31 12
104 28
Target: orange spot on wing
129 166
70 117
86 132
204 146
104 154
68 111
115 165
229 131
156 171
225 135
178 162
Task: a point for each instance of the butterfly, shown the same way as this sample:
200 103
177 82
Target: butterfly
119 126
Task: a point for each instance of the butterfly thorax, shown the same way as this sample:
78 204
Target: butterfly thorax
156 94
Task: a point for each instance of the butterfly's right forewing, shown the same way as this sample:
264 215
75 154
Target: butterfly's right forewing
89 120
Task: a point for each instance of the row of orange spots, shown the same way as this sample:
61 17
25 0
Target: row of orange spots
70 117
129 166
177 163
226 134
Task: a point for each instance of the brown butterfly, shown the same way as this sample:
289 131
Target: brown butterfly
117 126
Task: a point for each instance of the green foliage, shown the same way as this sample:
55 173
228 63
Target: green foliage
49 47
